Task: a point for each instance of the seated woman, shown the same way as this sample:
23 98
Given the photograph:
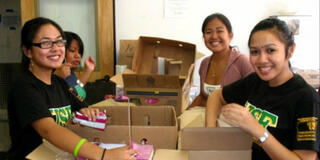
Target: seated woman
274 105
74 53
40 104
225 65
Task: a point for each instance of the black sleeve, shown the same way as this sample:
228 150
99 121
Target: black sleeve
238 91
28 104
307 122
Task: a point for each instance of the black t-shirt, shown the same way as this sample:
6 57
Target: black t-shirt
29 100
290 111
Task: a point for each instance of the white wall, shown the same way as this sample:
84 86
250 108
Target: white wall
77 16
135 18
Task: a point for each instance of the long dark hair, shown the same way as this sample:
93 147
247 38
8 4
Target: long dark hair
73 36
29 31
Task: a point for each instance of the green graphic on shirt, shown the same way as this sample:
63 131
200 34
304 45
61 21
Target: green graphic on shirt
62 114
81 92
264 117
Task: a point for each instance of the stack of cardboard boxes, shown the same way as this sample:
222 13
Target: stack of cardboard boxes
147 86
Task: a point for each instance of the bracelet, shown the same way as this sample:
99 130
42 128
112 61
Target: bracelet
80 83
78 146
104 151
261 139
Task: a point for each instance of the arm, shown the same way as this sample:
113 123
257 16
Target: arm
67 140
239 116
197 101
88 69
64 71
214 104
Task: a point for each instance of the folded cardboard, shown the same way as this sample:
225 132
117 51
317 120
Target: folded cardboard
152 89
222 143
49 152
117 79
149 49
127 49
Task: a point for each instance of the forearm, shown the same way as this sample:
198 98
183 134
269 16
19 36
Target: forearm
277 151
197 101
66 140
214 105
85 75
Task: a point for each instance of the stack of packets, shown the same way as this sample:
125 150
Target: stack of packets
143 152
100 122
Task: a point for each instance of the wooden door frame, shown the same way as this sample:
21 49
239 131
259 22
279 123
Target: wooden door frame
105 34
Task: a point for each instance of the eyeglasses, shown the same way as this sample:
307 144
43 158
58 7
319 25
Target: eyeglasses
49 44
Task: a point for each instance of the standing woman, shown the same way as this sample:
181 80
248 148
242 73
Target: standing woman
74 53
40 104
274 105
225 65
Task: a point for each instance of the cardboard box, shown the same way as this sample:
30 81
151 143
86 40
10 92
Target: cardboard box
152 89
156 124
149 49
49 152
127 49
170 154
218 143
220 155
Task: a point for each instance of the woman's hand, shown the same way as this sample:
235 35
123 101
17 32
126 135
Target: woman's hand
89 64
64 71
123 153
91 113
238 115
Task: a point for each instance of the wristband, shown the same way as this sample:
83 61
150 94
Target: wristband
103 153
80 83
263 138
78 146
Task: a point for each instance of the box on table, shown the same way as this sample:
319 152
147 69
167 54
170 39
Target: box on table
152 89
225 143
151 123
149 49
158 125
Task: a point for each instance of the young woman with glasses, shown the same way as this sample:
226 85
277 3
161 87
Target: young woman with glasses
40 104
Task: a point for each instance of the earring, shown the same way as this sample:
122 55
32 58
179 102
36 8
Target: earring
30 65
